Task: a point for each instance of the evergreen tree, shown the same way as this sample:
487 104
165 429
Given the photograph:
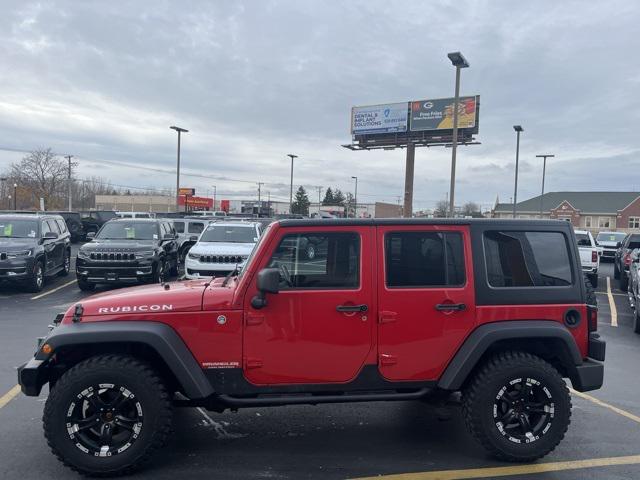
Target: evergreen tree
301 202
338 197
328 197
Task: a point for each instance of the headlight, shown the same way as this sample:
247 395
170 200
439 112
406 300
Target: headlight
194 256
20 254
145 254
83 254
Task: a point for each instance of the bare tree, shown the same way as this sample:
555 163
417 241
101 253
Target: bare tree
442 207
40 174
471 209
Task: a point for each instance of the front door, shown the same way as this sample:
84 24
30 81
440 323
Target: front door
426 298
50 245
318 328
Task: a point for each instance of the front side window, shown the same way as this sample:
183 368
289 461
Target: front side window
527 259
318 261
424 259
18 228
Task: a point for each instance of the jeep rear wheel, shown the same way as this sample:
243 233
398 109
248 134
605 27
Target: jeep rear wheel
107 415
517 406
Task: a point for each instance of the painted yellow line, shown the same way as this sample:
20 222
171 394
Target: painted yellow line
617 410
612 305
493 472
52 291
10 395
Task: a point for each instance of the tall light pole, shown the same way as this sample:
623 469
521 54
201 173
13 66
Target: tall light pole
180 131
69 157
355 199
458 61
15 196
291 187
319 188
3 181
518 130
544 169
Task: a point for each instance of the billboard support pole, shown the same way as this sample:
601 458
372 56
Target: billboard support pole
454 145
408 181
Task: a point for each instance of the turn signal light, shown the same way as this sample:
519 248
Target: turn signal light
47 349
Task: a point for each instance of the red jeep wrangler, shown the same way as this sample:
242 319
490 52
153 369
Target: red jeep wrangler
385 310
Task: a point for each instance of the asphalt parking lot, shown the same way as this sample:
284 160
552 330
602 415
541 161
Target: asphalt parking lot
396 440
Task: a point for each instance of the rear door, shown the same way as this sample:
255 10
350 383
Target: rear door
425 296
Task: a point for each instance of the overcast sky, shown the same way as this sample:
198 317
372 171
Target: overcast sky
255 80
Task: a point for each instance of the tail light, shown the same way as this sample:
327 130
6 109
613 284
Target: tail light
627 259
592 318
594 256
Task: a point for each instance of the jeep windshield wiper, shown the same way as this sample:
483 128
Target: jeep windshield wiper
232 273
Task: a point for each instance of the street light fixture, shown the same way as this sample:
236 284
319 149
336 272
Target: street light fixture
15 196
355 199
518 130
180 131
458 61
544 168
291 187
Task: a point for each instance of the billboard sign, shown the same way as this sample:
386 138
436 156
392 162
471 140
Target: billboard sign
187 191
387 118
196 202
437 114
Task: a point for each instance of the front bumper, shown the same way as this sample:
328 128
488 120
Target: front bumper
114 272
32 376
194 269
16 269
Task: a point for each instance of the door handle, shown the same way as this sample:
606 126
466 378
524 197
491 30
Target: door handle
449 307
352 308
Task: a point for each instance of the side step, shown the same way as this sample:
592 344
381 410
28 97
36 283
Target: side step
314 399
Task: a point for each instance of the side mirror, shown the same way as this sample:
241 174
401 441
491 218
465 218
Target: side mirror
193 238
50 236
169 236
618 245
91 235
268 282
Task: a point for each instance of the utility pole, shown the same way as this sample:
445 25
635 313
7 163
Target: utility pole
259 190
408 180
291 187
518 130
355 199
179 130
69 157
214 198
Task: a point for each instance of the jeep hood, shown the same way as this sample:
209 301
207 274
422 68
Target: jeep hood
149 301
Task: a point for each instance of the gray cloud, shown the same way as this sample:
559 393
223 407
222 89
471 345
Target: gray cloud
255 80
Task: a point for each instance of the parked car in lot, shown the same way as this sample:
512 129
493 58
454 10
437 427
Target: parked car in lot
633 290
33 247
609 241
221 248
589 255
74 224
187 230
136 214
128 251
92 220
623 259
397 309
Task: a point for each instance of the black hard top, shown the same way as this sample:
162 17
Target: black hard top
333 222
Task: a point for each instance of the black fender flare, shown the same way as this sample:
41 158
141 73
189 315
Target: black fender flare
163 339
483 337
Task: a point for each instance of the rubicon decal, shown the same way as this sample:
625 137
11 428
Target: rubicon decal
137 308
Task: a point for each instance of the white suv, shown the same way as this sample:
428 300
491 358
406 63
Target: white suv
221 248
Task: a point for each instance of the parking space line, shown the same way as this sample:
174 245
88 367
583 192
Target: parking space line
10 395
52 291
600 403
612 305
493 472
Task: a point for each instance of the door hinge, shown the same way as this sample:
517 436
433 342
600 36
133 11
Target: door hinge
387 317
252 363
387 360
253 319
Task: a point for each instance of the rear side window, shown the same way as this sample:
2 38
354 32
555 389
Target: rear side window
527 259
424 259
61 225
179 226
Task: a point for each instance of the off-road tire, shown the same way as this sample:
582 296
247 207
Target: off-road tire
66 267
482 392
616 272
159 272
85 286
128 372
592 299
623 281
35 283
174 268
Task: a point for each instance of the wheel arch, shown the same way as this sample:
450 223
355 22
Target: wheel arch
549 340
154 342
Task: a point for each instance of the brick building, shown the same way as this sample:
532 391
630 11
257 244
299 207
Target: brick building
593 211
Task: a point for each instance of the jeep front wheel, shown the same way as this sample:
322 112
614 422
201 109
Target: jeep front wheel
107 415
517 406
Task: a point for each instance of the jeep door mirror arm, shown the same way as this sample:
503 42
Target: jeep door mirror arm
268 281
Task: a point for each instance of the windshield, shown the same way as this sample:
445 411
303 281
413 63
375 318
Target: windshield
610 237
18 228
128 231
230 234
583 240
247 263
